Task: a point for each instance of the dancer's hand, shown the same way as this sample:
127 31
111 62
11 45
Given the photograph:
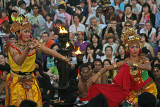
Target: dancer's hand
68 60
33 45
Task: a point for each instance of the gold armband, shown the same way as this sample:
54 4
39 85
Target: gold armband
64 58
40 43
99 74
135 64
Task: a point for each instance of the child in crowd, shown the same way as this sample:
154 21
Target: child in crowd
49 21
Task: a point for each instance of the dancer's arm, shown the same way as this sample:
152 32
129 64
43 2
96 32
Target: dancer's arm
104 70
145 65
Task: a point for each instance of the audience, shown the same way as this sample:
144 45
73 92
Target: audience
94 27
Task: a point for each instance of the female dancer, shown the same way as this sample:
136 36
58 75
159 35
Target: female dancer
132 78
21 83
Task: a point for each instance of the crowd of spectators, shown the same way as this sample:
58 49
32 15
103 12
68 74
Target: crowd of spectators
94 26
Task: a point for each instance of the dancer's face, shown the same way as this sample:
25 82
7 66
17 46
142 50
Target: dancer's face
134 50
26 35
85 73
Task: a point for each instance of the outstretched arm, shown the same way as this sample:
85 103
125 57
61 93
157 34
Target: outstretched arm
104 70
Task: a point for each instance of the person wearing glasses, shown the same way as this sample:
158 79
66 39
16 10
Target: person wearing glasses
128 24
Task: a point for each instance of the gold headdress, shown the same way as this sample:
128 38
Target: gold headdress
20 25
130 37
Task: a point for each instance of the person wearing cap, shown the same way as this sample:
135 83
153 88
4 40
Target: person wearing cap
110 38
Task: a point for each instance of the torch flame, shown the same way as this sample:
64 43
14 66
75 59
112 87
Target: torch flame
78 51
67 44
62 30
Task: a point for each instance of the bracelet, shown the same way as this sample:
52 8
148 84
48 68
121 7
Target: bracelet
99 74
135 64
64 58
41 42
115 65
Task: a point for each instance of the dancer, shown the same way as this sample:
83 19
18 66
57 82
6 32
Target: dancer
132 78
21 83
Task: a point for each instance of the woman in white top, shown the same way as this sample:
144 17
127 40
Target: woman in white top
108 54
90 55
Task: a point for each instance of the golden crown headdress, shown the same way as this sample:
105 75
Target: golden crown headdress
130 37
16 26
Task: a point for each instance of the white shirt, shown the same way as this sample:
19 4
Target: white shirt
80 28
49 24
98 19
104 57
94 9
150 35
114 47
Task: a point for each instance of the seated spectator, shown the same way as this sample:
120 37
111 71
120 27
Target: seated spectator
128 24
62 15
15 15
9 7
48 42
12 38
111 14
98 15
93 28
45 7
156 73
157 23
53 71
113 28
84 8
108 54
42 27
80 42
121 53
6 30
119 7
155 61
90 55
28 12
76 27
150 33
82 17
144 40
3 16
110 42
136 7
146 14
92 6
146 99
28 103
4 64
96 45
85 74
3 76
152 6
22 7
97 66
49 21
34 18
129 15
158 54
109 74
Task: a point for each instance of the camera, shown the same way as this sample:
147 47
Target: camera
91 27
111 25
